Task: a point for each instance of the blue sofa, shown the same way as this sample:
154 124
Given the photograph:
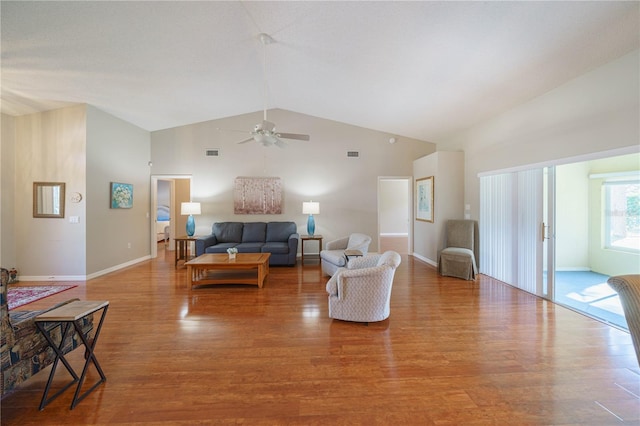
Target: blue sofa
278 238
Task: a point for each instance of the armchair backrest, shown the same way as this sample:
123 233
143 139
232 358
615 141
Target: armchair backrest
463 234
359 242
389 258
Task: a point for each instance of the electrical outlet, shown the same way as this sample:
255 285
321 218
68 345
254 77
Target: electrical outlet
128 245
74 219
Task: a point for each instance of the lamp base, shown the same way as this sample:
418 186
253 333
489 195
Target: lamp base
311 225
191 226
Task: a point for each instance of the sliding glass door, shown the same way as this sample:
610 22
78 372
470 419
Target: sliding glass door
560 232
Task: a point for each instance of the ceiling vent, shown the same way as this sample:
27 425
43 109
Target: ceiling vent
212 152
353 154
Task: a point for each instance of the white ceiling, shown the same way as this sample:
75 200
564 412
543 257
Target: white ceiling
416 69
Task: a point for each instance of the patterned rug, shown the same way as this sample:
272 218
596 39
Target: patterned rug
20 296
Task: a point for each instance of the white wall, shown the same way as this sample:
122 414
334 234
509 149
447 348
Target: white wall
595 112
318 169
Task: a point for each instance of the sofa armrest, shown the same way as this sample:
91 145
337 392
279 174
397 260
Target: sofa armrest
204 242
293 242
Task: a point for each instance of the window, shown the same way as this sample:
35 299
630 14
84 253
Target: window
622 215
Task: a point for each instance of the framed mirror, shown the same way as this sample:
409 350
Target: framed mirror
48 199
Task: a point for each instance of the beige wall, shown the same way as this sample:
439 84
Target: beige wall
596 112
7 192
447 168
318 169
50 147
117 151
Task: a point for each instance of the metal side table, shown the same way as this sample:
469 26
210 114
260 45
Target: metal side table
68 317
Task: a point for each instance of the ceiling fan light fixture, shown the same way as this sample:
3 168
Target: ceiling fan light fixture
266 38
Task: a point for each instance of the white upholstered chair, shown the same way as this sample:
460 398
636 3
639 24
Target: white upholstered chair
460 255
362 291
628 288
332 257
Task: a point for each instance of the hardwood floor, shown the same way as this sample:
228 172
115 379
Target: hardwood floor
452 353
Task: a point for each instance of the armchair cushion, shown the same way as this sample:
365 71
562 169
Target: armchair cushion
333 256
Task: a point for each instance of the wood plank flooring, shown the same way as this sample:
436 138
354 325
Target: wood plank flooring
452 353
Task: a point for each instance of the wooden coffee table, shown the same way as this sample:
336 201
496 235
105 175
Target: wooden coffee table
211 268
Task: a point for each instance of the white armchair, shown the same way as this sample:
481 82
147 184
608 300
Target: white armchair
362 291
332 257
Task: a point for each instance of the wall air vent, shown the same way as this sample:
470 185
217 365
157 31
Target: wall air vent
212 152
353 154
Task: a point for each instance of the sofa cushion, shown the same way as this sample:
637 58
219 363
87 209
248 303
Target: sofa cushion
228 232
275 247
249 247
280 231
254 232
219 248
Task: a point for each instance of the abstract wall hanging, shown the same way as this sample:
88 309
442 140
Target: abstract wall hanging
121 195
257 195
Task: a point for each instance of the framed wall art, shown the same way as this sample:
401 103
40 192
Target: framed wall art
257 195
424 199
121 195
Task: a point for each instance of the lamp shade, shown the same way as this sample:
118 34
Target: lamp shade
189 208
310 207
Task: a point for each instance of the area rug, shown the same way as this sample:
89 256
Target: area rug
20 296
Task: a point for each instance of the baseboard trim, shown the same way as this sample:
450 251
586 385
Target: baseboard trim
117 267
426 260
83 277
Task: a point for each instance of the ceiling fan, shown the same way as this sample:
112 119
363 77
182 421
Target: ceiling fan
265 133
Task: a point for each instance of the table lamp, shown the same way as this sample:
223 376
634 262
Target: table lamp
311 208
190 209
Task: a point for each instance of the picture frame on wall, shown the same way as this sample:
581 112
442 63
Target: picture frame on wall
424 199
121 195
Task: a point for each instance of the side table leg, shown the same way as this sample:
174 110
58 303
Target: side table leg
64 329
89 357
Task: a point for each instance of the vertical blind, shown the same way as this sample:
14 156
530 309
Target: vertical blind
510 221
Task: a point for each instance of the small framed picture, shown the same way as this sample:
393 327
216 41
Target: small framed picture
424 199
121 195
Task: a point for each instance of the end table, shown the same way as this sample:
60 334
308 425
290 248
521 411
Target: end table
65 317
304 238
183 245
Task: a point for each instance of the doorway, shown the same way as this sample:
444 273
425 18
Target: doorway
167 194
394 214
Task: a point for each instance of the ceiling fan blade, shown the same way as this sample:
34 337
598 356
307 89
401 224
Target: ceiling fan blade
294 136
246 140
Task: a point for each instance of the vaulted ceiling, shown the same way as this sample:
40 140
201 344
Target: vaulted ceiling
418 69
